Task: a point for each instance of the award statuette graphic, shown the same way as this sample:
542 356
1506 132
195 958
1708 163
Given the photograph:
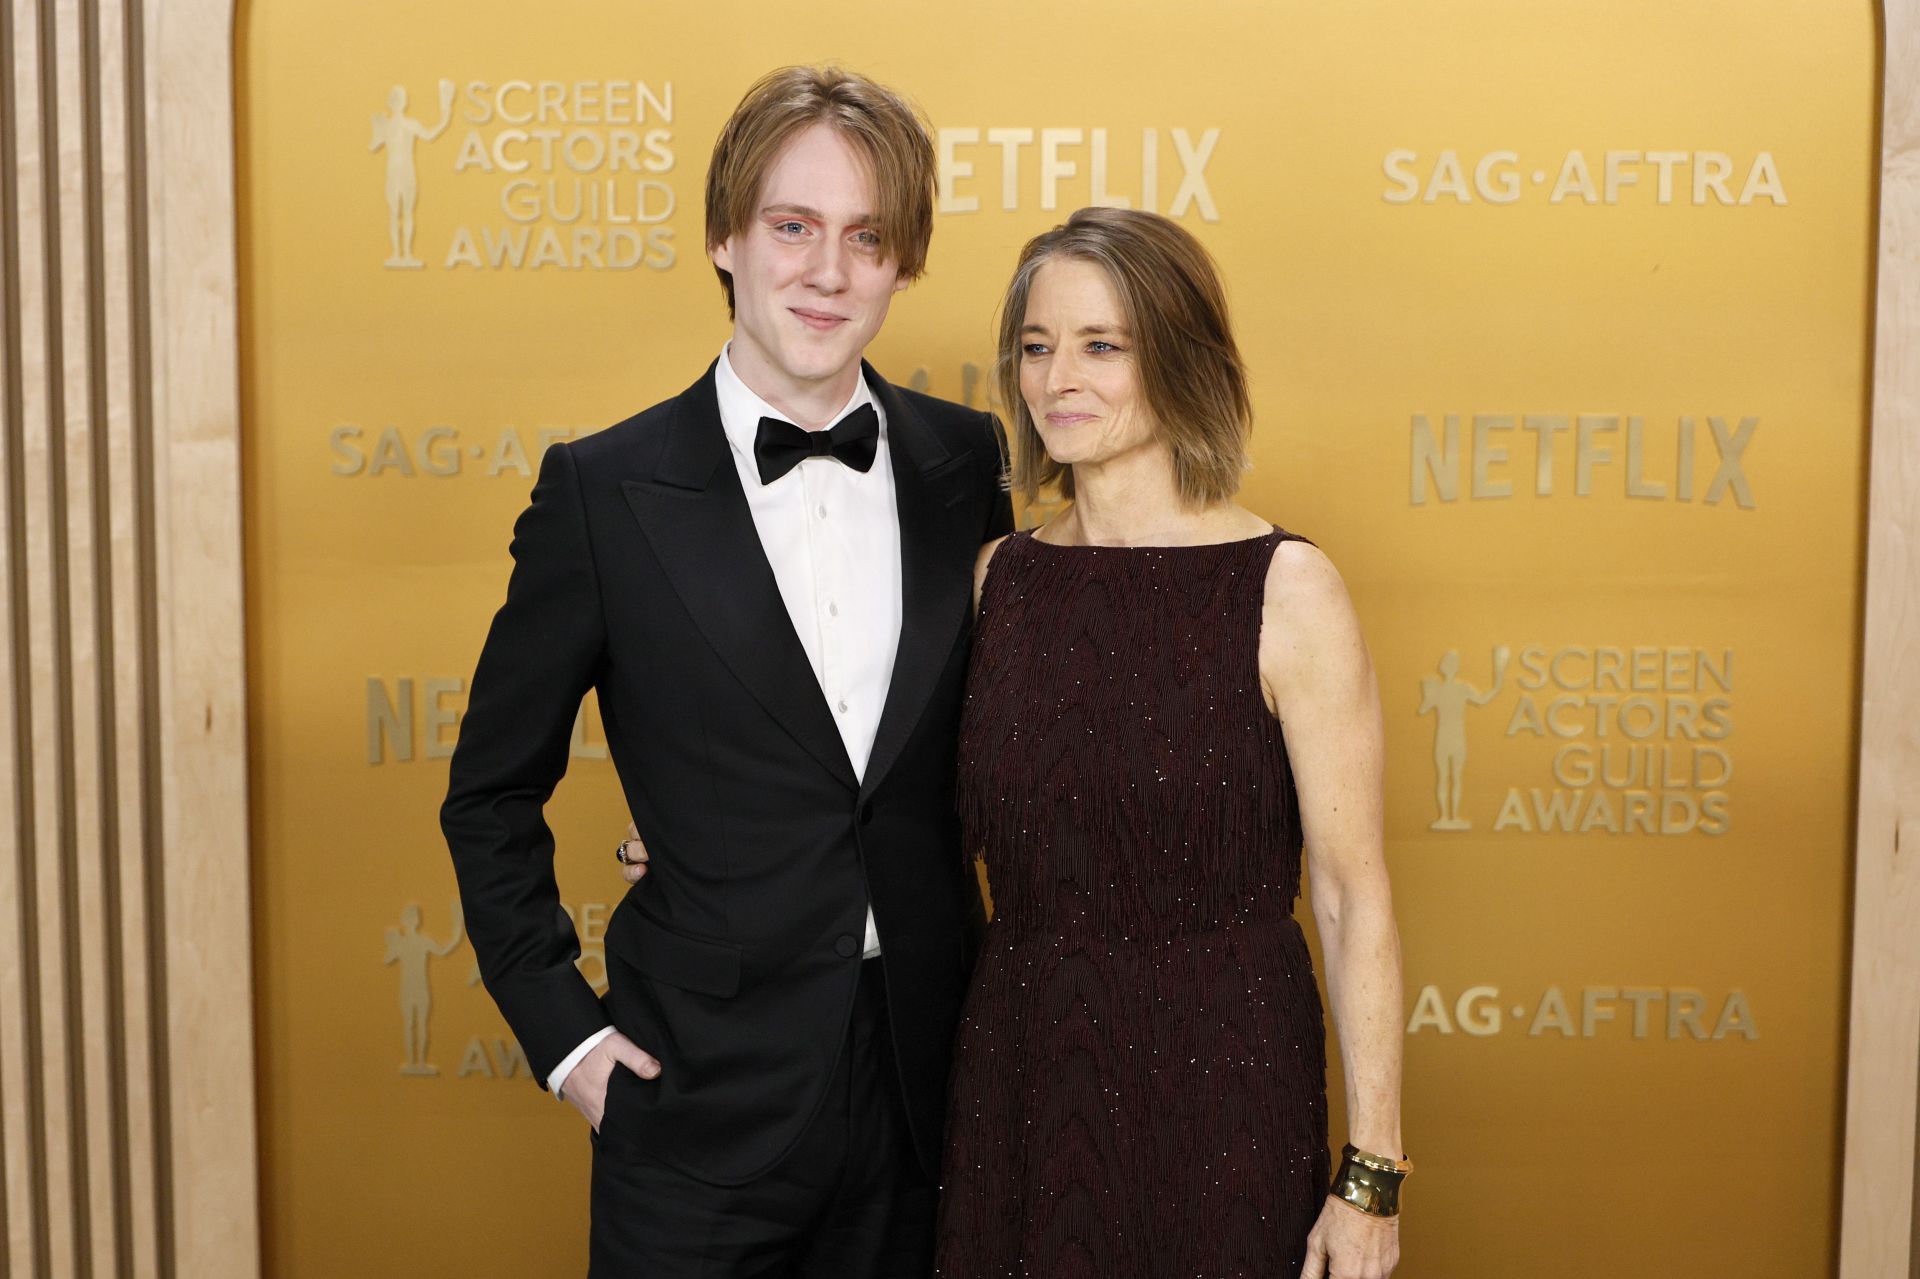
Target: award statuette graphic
397 132
411 949
1448 697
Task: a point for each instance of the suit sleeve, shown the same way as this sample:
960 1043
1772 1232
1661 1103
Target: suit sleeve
543 652
1000 497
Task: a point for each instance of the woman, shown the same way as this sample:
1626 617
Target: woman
1137 1085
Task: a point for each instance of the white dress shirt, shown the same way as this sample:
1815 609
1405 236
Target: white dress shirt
832 537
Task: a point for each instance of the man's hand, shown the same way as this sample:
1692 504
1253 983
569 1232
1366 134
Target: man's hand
635 868
586 1084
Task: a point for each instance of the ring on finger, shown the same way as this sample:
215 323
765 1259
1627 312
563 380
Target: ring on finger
620 853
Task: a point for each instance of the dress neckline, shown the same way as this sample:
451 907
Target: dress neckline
1031 536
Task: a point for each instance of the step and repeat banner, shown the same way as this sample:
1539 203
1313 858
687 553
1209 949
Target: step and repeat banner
1556 317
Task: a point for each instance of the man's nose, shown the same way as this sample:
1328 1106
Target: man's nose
827 266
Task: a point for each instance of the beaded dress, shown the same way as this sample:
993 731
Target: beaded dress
1139 1076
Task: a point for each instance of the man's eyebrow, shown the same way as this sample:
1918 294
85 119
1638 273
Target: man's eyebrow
804 211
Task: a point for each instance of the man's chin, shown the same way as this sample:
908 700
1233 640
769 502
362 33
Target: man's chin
820 364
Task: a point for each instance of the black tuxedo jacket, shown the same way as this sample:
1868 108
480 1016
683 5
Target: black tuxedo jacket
638 573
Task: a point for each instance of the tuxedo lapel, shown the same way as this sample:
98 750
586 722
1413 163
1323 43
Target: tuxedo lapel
695 516
936 561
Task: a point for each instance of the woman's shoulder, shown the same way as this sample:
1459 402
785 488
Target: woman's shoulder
1301 578
988 550
984 559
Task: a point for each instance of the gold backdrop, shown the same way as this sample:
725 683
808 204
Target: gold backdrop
1557 323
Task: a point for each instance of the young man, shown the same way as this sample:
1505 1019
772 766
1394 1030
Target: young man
766 579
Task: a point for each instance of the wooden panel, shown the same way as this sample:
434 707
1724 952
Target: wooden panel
202 639
85 1082
1877 1227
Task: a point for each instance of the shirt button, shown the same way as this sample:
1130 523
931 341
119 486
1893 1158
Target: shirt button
833 610
843 706
845 946
821 510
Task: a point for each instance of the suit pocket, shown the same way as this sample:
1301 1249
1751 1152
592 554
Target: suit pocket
656 951
949 479
614 1085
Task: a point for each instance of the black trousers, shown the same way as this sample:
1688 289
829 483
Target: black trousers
849 1201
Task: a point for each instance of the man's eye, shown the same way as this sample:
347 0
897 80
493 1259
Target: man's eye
791 228
869 238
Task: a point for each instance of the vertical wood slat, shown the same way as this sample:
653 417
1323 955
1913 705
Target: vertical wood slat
92 1025
150 966
16 1159
110 1183
17 1181
18 1116
123 846
196 397
1880 1205
19 1160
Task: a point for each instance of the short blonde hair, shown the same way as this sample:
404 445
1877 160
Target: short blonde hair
1189 366
885 128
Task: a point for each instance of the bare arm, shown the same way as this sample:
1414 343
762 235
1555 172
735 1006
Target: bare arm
1319 680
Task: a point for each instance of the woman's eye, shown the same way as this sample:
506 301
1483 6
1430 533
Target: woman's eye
1101 348
1033 348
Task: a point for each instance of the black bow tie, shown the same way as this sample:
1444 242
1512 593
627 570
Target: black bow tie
780 446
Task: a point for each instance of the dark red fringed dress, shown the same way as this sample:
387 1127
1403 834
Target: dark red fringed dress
1139 1082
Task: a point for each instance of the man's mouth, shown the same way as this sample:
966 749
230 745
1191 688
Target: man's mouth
821 320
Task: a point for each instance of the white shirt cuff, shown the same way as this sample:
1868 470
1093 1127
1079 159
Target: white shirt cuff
572 1059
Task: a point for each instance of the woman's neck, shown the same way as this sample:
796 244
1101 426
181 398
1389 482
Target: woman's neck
1135 501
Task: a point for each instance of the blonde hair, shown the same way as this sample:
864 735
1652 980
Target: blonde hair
888 132
1189 366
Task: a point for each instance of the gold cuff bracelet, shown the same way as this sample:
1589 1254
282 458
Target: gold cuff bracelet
1370 1182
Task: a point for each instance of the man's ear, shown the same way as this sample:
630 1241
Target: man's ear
722 254
900 282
